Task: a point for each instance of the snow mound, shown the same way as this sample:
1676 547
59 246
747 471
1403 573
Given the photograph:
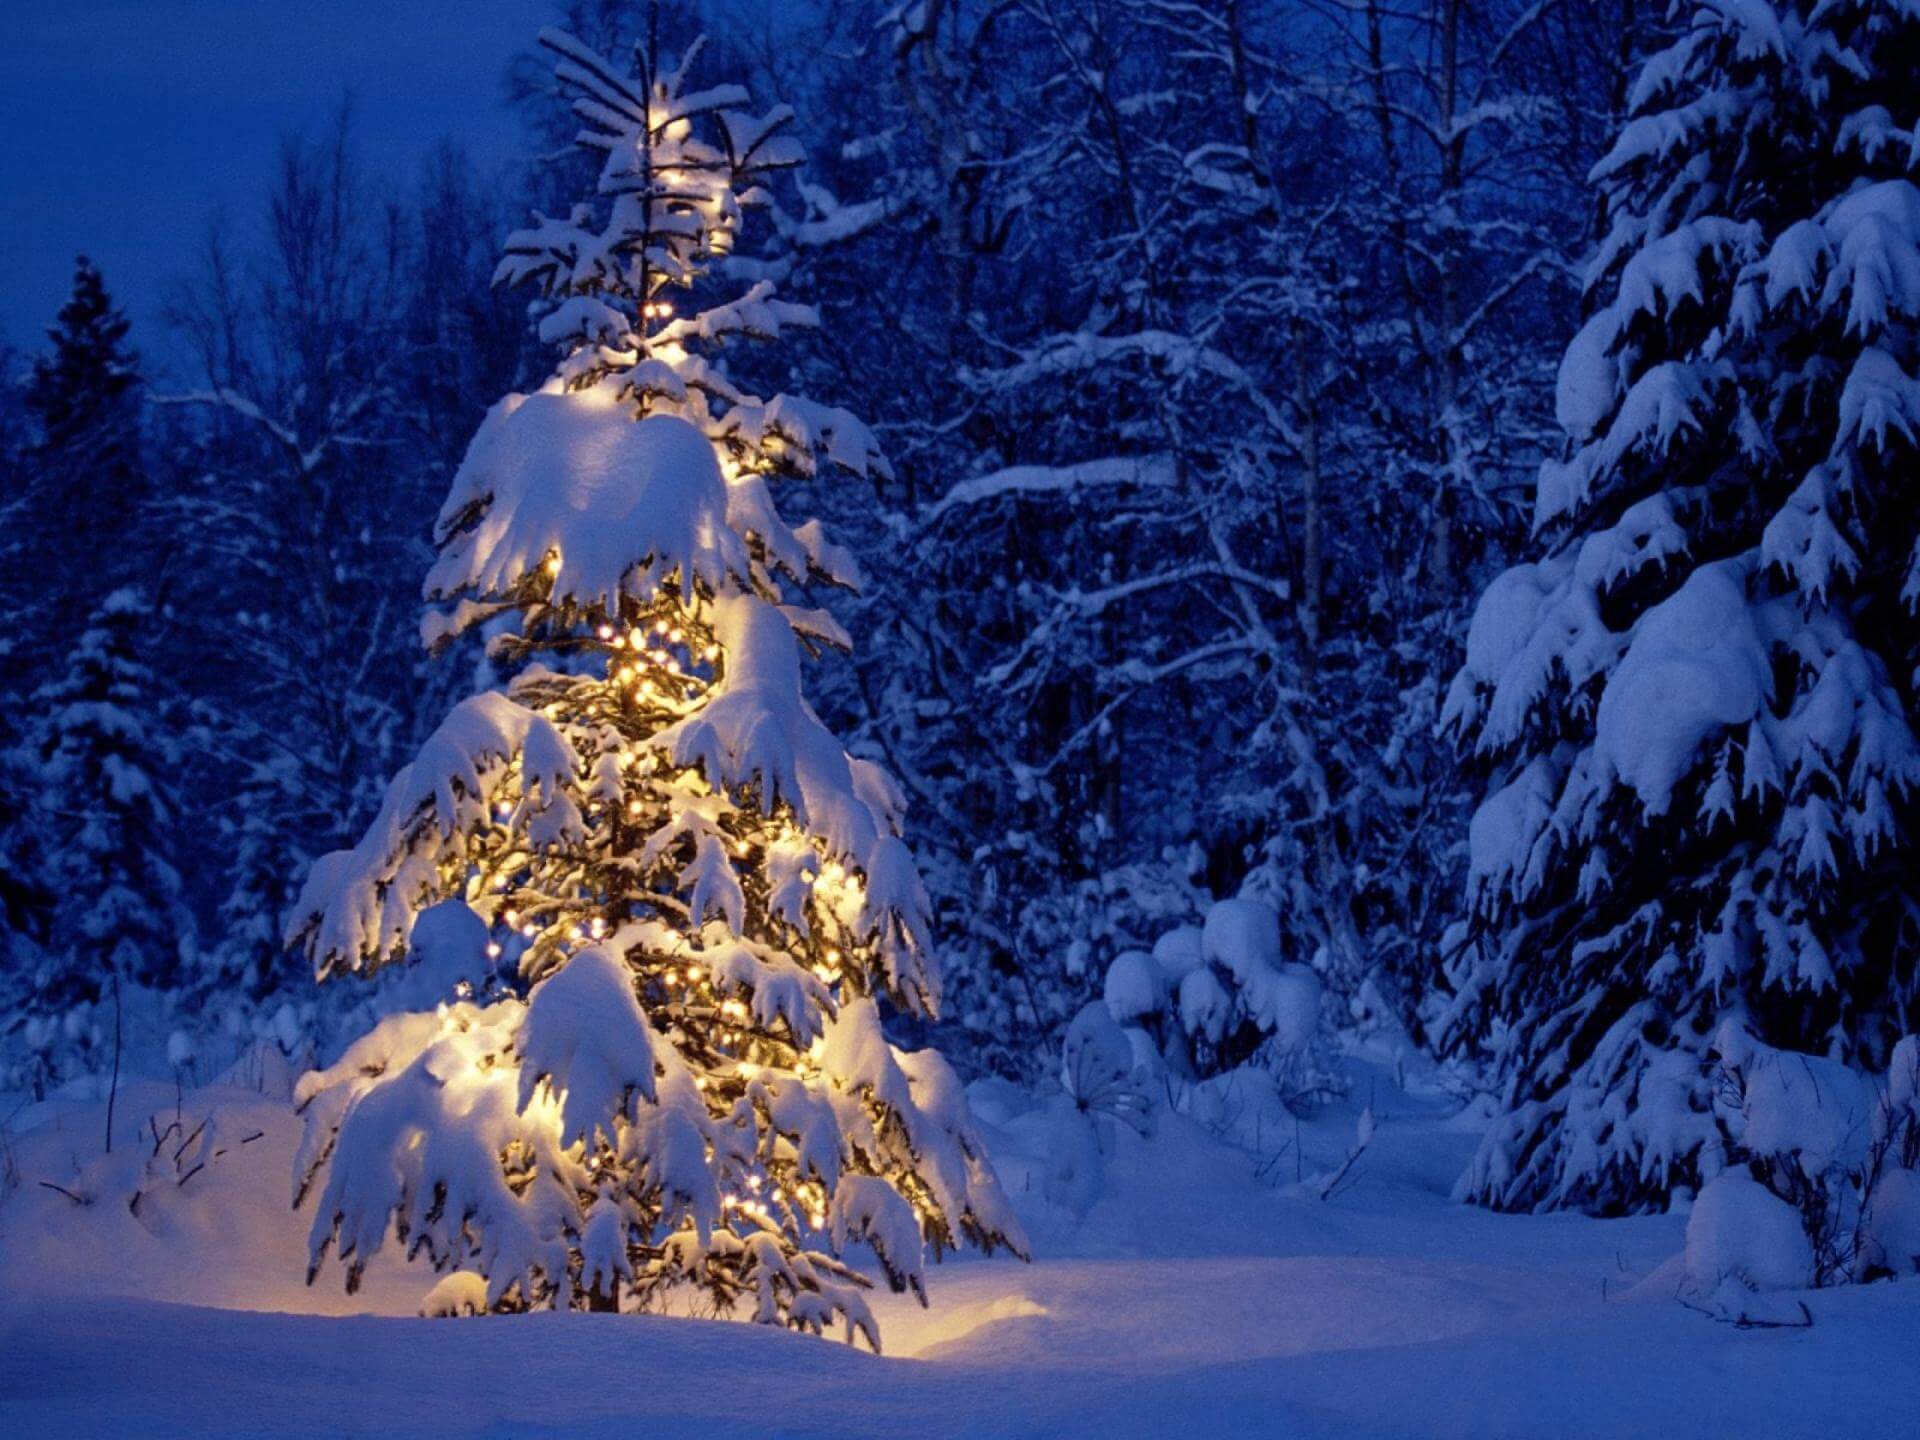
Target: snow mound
1741 1230
1135 986
1178 951
461 1292
1695 667
450 961
1890 1229
617 504
1242 935
1811 1112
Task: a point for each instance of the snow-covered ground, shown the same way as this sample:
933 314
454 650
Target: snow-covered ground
1198 1297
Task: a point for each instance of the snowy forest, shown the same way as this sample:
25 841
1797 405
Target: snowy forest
1217 698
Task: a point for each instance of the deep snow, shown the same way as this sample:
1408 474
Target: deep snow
1198 1295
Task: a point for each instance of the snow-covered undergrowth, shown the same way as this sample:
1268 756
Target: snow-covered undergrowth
158 1291
1222 1026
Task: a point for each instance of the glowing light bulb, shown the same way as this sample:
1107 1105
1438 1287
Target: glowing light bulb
493 949
606 632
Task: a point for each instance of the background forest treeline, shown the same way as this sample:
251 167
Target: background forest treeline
1213 345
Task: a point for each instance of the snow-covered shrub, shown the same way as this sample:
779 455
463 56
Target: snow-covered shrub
1888 1239
1104 1082
675 1084
1890 1225
1805 1115
1836 1147
1103 1073
1215 998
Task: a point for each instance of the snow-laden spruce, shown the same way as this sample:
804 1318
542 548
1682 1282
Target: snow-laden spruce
99 765
1698 703
677 1092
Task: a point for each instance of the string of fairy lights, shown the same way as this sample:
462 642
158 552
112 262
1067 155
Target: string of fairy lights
654 666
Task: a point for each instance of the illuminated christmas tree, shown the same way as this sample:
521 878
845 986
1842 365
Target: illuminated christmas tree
675 1092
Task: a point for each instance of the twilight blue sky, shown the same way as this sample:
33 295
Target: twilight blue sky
126 124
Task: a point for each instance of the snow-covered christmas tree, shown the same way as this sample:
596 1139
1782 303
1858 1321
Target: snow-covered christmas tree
676 1092
1698 704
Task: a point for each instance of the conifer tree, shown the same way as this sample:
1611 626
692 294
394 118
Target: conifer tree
1698 701
703 899
101 817
87 480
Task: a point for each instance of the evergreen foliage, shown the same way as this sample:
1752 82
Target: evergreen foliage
83 397
703 899
101 818
1697 703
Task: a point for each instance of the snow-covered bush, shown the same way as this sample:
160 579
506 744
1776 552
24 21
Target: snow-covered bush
1889 1238
1836 1148
1104 1082
673 1086
1220 1019
1213 998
